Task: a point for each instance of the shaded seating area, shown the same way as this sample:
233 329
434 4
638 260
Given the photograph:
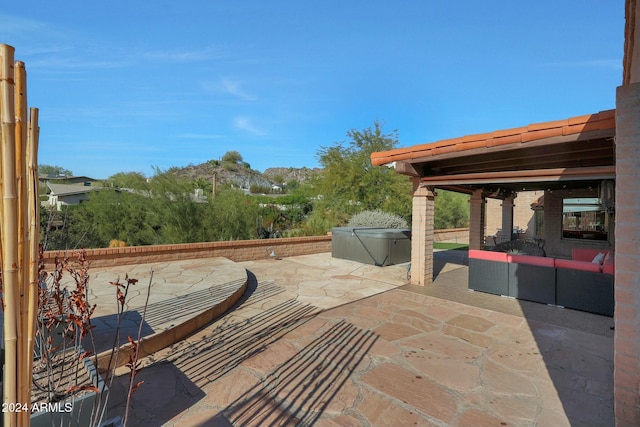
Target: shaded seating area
579 284
596 156
571 161
586 282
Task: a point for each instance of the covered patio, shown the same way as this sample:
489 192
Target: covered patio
568 159
592 162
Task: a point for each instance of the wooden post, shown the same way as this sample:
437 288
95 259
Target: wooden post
215 182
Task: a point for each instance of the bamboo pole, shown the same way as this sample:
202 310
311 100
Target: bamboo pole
33 140
20 88
9 230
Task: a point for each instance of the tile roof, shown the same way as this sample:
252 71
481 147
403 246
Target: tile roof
603 120
68 189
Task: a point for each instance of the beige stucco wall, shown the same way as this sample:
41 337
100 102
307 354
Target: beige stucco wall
71 199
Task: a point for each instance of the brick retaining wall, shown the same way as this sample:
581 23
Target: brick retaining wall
235 250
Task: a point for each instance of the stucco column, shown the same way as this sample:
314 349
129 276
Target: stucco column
626 374
477 220
422 236
507 217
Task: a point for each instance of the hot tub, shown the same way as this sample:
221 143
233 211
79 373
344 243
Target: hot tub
370 245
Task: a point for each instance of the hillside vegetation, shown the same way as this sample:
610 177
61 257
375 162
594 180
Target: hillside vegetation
179 205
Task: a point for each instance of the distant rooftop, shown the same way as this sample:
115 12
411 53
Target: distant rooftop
69 189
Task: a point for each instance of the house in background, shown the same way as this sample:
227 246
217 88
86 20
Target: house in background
64 179
66 195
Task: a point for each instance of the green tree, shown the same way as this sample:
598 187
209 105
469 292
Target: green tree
53 170
350 184
134 180
231 216
232 157
171 202
161 211
108 214
61 230
451 210
112 214
292 185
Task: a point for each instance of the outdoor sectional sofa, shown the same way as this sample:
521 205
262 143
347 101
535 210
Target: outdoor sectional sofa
578 283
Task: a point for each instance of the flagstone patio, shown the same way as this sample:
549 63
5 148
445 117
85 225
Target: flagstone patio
327 342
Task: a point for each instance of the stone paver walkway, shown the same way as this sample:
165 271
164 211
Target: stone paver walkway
329 342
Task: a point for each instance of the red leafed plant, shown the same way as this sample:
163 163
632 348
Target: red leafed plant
63 321
64 329
133 364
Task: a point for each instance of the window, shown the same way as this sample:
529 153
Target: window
584 218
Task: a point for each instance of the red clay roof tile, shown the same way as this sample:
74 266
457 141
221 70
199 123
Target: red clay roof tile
608 123
510 139
542 133
472 144
580 119
477 137
445 149
448 141
509 132
607 114
547 125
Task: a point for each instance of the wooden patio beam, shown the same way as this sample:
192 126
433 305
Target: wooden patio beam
557 174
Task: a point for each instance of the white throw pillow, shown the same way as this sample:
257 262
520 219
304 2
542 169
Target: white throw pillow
598 258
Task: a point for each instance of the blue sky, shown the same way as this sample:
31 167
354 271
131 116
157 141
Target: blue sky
125 86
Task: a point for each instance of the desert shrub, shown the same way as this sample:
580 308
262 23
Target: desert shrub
115 243
260 189
377 218
451 210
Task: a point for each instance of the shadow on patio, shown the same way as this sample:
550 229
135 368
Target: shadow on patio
436 355
576 347
295 391
298 391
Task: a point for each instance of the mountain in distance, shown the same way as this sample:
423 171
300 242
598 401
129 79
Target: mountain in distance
242 176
